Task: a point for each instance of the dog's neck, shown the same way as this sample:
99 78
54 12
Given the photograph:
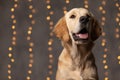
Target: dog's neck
78 51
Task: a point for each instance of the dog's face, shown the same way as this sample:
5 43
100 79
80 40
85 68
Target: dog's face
79 25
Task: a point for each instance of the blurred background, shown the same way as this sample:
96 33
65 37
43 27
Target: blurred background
29 50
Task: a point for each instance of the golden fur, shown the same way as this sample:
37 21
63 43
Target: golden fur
76 62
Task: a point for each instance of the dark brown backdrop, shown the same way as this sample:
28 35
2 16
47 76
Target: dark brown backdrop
40 37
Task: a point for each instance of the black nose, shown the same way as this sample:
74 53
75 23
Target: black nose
84 19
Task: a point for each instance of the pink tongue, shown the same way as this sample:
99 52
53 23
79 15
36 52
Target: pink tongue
82 36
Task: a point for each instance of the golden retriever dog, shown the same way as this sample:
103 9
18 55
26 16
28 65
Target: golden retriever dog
77 30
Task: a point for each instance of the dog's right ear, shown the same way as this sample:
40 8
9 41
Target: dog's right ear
61 30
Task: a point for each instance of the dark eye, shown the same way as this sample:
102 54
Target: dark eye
72 16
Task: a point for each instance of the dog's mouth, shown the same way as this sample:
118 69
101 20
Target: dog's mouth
82 35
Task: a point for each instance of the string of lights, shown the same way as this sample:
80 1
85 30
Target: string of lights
117 29
67 2
117 20
13 41
50 41
29 39
86 4
104 42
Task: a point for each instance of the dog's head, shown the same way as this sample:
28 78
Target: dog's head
78 25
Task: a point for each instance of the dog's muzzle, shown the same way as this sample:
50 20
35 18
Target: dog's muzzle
83 34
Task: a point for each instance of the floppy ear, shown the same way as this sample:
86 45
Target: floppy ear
96 30
61 30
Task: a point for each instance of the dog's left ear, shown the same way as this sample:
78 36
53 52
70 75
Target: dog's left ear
96 30
61 30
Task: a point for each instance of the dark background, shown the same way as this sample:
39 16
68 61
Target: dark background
40 36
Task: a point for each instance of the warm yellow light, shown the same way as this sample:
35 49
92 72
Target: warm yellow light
29 72
9 77
103 11
102 23
65 12
48 6
105 50
104 61
103 19
117 4
30 7
51 12
33 22
30 28
67 1
117 19
106 67
31 44
86 6
30 65
9 71
28 37
10 48
50 56
117 29
14 38
103 33
13 42
9 66
10 55
49 43
15 5
86 2
14 32
103 43
106 78
47 1
12 16
118 14
33 10
105 56
103 2
13 26
100 8
16 0
50 72
48 18
31 55
28 77
30 0
103 40
29 32
12 9
50 66
118 57
12 60
119 62
30 15
31 61
30 49
48 78
14 21
117 35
